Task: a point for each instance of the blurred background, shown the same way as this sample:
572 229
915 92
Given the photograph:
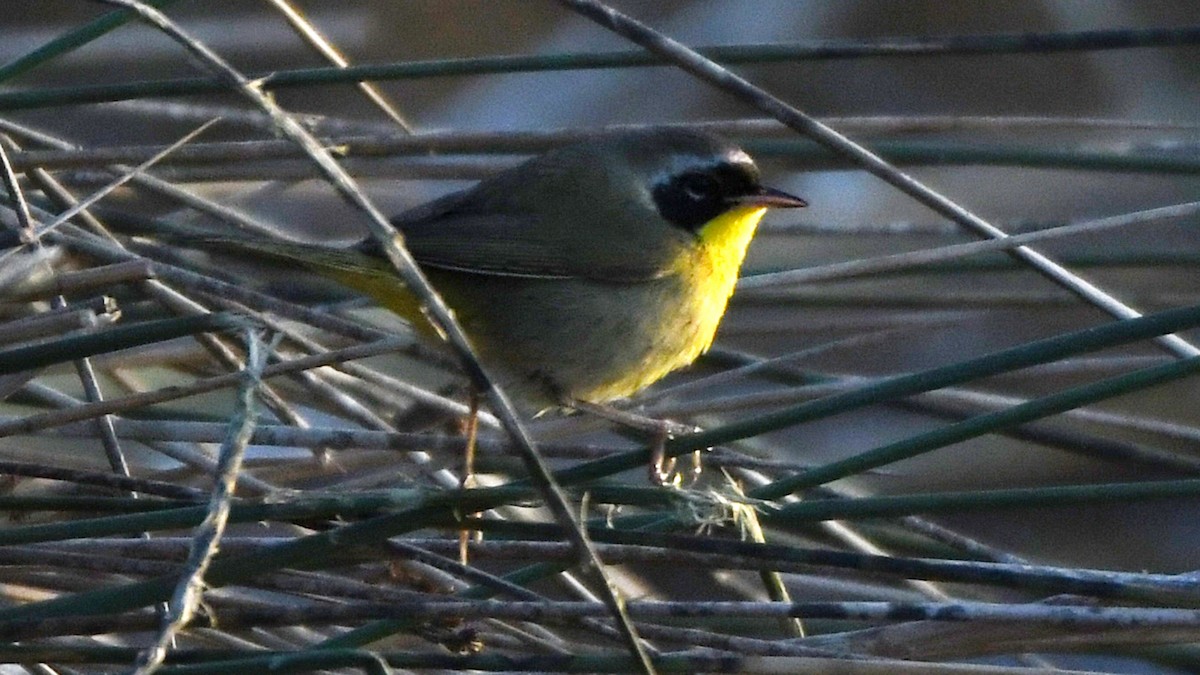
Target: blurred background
1026 140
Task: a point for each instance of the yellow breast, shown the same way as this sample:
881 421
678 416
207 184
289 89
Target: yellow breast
705 277
712 270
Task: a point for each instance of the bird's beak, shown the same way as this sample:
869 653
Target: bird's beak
770 197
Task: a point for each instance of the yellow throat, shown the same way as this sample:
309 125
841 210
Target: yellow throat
709 272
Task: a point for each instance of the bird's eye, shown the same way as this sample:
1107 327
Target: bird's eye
692 198
699 187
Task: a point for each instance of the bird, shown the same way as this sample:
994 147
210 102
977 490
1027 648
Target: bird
582 275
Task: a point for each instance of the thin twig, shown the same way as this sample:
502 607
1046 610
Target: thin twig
28 424
391 145
184 110
109 480
96 196
311 36
54 323
180 452
1080 616
83 366
187 594
92 279
1040 43
909 260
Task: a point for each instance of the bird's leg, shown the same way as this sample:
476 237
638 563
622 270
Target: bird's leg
662 468
471 431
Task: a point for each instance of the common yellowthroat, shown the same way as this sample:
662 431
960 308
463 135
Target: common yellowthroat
583 274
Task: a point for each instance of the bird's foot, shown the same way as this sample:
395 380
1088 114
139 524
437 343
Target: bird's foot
662 468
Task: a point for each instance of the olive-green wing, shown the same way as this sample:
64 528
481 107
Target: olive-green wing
450 234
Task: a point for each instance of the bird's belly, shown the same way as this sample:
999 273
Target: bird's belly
553 341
